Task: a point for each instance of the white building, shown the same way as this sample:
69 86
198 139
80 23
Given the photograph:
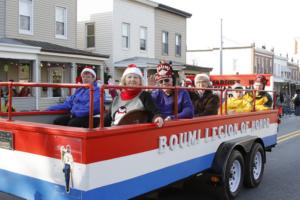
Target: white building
236 60
136 31
281 73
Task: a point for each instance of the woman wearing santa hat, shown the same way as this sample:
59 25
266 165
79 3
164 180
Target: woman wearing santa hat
128 100
78 103
263 100
164 98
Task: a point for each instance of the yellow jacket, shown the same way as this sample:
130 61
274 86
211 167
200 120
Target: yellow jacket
237 105
260 101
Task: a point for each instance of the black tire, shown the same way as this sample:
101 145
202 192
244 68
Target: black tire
228 189
254 175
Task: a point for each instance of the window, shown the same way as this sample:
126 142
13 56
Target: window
178 45
25 16
143 38
165 43
90 35
125 35
61 22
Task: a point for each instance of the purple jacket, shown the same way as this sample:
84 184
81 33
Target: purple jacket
79 103
165 104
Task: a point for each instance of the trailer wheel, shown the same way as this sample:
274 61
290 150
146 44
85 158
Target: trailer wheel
255 166
233 175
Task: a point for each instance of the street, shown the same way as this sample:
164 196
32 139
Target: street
281 178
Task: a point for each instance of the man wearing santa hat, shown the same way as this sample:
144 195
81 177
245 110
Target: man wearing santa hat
78 103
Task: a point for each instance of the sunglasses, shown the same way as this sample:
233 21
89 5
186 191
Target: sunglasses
164 80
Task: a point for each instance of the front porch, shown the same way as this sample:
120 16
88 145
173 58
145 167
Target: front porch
41 62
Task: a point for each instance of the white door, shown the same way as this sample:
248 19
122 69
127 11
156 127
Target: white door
55 76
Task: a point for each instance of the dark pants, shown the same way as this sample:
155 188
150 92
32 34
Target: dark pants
67 171
75 121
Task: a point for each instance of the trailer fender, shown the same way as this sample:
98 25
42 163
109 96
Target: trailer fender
243 144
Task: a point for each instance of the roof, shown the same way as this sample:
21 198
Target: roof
165 8
198 68
49 47
144 62
218 48
174 11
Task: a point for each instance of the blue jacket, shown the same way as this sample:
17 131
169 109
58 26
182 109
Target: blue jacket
78 103
165 104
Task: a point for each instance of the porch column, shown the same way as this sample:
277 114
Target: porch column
145 71
37 79
73 72
101 70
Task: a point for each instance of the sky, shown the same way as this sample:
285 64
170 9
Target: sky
273 23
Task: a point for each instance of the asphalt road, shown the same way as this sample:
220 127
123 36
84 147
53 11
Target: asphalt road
281 178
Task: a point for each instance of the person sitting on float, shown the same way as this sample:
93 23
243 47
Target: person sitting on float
187 83
263 100
129 100
237 104
205 101
79 103
164 98
25 92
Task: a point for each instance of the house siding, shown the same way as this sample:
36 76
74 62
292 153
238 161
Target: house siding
2 18
43 21
103 34
137 15
173 24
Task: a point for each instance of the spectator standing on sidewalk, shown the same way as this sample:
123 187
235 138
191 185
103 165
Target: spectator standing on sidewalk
296 101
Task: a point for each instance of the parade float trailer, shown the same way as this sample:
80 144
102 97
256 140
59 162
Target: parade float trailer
39 160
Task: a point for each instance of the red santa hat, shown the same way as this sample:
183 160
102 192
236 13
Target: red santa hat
90 70
133 69
188 82
163 71
261 79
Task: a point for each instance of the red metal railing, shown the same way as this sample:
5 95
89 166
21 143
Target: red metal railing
176 89
10 86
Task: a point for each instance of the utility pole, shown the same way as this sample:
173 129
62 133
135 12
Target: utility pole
221 49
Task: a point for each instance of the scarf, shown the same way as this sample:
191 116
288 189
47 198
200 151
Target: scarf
127 94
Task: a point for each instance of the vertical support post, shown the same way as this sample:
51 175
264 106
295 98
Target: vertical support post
226 102
254 99
221 49
91 113
176 102
101 69
36 78
145 71
10 101
221 102
102 110
73 75
73 72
